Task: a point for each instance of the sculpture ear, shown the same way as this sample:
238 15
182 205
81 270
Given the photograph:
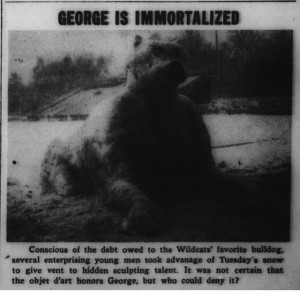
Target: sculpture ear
137 41
130 78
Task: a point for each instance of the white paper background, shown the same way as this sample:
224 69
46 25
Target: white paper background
258 16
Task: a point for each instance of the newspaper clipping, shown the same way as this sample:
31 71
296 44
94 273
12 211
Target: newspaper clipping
150 145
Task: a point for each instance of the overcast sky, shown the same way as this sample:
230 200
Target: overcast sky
26 46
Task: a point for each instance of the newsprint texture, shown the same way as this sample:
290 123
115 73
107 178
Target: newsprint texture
150 145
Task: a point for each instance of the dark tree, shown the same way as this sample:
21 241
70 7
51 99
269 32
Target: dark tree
245 47
198 51
15 91
62 76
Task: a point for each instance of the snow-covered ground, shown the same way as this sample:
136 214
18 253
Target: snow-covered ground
27 143
261 215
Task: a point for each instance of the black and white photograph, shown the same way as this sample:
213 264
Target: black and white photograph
149 136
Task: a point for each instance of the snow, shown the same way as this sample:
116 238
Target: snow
27 144
28 141
242 128
260 214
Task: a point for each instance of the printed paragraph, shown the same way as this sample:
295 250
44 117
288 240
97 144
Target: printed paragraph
135 265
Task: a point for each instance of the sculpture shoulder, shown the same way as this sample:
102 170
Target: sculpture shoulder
98 121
